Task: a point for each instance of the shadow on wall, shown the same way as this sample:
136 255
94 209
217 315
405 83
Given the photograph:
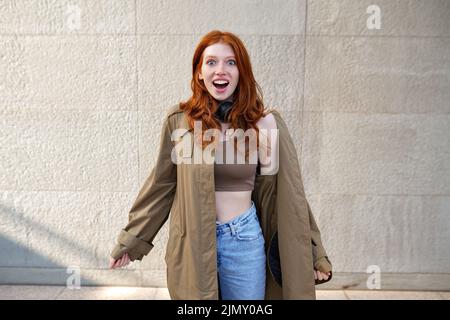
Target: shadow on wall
21 264
13 254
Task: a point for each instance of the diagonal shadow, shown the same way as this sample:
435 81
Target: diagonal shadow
15 255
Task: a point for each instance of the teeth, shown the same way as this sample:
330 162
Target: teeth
220 82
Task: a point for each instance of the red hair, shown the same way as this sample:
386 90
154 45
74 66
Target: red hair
248 105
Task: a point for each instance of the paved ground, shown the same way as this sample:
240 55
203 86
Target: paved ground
8 292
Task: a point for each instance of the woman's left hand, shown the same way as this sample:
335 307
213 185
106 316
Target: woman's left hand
121 262
321 275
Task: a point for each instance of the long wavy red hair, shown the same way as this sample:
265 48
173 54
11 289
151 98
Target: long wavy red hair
248 105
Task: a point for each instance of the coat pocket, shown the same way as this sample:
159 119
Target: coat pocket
174 231
173 245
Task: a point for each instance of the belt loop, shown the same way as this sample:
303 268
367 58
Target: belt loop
233 230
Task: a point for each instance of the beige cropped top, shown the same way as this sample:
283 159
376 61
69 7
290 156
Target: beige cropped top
232 176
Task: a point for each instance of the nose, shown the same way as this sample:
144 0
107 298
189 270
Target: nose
220 68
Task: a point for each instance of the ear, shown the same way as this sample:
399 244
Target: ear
200 76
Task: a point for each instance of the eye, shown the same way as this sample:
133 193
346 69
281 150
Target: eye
233 62
208 62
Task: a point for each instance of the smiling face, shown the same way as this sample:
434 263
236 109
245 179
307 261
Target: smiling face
219 71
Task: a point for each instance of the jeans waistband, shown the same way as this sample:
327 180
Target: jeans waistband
240 219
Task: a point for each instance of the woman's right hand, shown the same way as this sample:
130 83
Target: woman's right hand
121 262
321 275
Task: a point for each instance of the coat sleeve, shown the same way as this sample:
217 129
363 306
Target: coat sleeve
320 257
151 208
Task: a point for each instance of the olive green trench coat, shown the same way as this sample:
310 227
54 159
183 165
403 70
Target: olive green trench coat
187 192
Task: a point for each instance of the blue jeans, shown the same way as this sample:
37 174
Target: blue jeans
241 259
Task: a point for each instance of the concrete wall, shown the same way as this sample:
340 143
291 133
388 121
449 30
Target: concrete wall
84 86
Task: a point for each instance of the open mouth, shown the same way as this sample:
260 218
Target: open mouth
220 84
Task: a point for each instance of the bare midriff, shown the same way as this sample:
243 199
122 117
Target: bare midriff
230 204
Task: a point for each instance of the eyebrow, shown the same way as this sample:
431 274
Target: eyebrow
209 56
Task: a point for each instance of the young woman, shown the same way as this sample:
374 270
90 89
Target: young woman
225 213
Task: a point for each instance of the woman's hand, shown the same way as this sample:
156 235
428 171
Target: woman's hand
121 262
321 275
